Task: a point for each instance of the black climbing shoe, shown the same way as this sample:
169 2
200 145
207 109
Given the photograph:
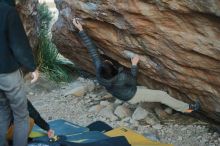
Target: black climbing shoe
195 106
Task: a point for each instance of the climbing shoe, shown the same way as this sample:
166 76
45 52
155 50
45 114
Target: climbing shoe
195 106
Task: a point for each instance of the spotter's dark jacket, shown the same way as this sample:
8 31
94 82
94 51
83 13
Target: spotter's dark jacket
38 120
15 50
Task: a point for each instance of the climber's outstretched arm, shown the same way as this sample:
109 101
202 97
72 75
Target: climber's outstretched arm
88 43
134 67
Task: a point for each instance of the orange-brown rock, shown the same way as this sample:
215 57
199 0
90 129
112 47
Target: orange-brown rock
179 42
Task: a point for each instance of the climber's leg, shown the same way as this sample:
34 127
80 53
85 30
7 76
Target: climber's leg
146 95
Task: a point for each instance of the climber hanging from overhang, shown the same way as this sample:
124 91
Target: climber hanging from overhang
122 84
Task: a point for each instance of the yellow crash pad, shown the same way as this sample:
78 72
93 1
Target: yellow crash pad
134 138
34 134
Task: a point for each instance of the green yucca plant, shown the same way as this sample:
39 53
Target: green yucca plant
47 56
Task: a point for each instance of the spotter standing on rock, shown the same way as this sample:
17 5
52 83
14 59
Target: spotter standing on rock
123 84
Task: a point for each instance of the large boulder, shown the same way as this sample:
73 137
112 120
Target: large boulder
28 13
179 42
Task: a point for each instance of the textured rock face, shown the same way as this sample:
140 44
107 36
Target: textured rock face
28 14
179 42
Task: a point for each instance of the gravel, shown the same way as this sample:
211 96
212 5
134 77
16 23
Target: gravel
50 101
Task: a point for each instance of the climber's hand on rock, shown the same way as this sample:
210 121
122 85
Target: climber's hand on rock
77 24
135 60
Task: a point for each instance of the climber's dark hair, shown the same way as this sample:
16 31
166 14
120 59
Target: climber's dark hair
108 70
9 2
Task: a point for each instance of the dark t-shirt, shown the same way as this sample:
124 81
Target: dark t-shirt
124 85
